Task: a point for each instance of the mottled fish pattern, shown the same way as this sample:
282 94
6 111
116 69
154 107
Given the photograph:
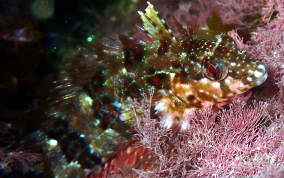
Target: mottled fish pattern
186 73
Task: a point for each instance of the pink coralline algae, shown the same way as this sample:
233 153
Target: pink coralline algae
16 160
237 144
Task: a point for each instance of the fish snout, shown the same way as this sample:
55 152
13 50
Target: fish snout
257 77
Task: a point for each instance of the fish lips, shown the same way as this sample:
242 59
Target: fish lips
256 78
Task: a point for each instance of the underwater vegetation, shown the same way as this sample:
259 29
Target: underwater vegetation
180 89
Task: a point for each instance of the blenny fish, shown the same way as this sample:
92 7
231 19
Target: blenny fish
92 91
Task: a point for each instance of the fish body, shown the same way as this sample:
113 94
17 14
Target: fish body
189 72
186 73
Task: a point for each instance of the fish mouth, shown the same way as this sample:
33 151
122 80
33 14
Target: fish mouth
257 78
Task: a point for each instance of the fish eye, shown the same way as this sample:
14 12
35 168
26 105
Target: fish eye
214 68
